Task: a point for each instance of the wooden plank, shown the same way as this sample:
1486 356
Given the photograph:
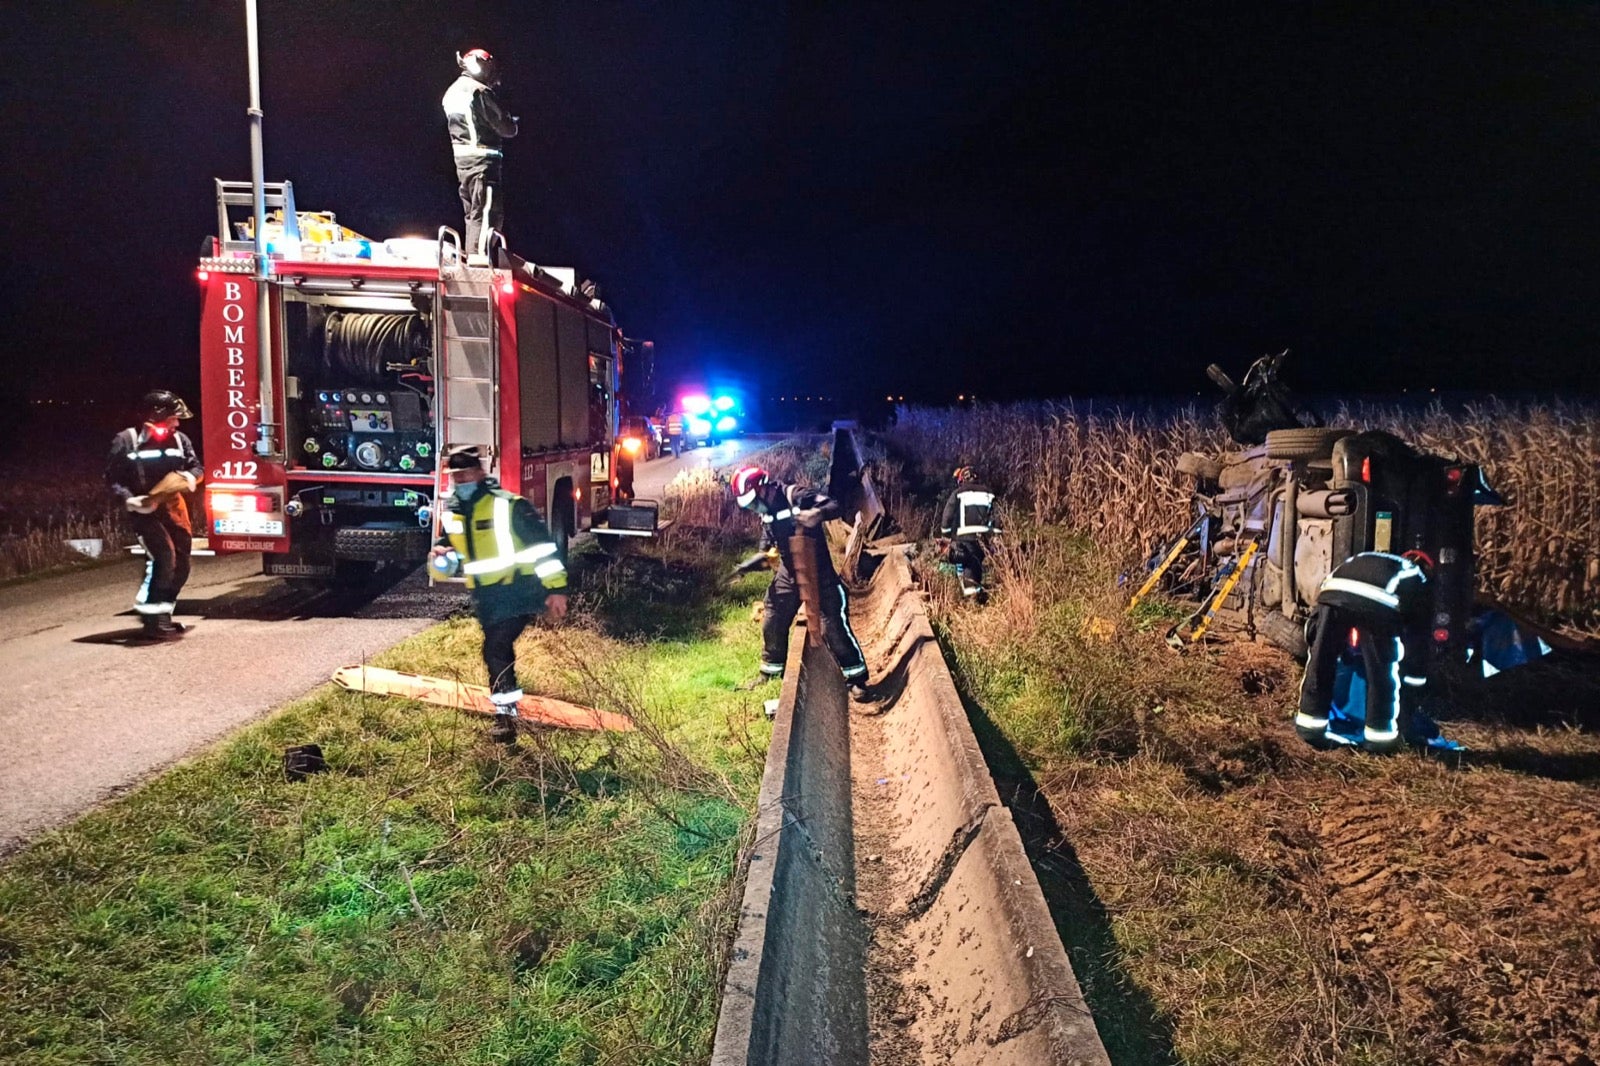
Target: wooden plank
543 711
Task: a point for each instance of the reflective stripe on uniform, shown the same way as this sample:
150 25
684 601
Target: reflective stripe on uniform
968 499
461 150
503 699
548 567
779 517
505 544
1306 721
1359 588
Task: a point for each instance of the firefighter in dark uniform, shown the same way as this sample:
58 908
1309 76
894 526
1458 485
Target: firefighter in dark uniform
142 458
787 511
513 571
967 522
1377 603
478 130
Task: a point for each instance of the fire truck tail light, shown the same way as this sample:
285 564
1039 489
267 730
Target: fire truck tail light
577 494
1441 636
508 287
631 445
1452 479
202 275
1366 470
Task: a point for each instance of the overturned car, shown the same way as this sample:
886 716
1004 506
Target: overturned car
1274 517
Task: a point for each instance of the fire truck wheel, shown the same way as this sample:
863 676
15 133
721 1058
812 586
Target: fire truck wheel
563 523
1304 442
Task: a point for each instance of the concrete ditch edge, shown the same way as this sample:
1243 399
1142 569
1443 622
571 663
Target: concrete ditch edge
987 979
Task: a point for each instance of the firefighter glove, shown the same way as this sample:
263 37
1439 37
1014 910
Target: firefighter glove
140 504
810 518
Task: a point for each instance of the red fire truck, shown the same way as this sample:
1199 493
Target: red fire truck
322 449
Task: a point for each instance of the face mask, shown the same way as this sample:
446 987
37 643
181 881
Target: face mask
467 490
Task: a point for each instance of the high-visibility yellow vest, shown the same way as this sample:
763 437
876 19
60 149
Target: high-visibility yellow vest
490 551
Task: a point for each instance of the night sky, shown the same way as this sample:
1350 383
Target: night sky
859 199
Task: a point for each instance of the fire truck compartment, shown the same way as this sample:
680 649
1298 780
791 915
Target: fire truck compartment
359 385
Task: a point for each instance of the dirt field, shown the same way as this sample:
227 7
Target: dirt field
1278 904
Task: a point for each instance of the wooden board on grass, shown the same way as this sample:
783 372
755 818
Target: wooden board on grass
542 711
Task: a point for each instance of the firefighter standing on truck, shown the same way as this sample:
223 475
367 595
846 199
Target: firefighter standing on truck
151 465
512 568
968 520
787 511
478 130
1376 604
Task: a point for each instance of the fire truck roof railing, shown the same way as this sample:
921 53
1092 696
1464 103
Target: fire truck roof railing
242 194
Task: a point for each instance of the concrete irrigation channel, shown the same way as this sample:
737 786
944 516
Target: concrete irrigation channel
890 914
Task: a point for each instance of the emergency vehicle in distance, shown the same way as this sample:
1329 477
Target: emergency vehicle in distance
382 355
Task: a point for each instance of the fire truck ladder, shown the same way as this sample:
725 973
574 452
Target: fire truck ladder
241 194
471 389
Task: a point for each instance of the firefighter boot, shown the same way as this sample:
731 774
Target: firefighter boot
860 692
504 730
162 627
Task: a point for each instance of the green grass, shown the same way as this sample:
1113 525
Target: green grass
432 898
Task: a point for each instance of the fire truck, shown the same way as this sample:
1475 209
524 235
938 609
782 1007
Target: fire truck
323 447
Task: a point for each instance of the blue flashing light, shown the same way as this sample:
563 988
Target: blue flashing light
724 403
726 423
700 427
696 405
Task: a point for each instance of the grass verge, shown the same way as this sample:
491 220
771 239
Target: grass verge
433 898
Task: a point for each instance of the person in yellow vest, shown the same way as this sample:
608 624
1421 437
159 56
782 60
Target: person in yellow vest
498 542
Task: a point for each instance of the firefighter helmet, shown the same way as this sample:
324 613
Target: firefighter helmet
158 405
745 483
479 65
464 457
963 473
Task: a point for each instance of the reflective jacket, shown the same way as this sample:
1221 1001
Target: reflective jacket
1378 585
478 126
139 460
507 555
968 512
780 503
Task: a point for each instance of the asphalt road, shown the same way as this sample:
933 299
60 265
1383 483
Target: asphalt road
89 710
649 479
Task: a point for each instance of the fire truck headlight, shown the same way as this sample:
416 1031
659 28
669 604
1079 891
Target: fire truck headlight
631 445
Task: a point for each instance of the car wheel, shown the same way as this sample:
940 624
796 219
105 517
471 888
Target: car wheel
1304 442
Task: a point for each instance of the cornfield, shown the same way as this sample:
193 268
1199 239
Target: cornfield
1110 471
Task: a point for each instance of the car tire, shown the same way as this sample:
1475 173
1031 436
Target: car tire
1304 442
1201 466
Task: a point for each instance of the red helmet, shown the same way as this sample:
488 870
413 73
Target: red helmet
745 482
478 64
